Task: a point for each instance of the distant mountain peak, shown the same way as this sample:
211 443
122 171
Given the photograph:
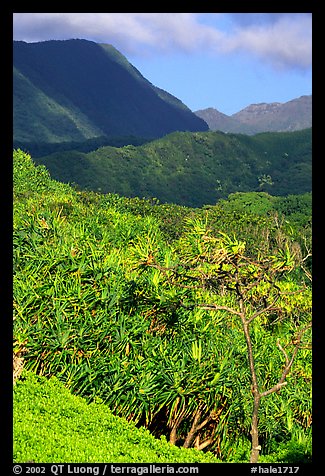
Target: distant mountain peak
262 106
293 115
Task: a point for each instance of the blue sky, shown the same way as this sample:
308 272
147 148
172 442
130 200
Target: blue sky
221 60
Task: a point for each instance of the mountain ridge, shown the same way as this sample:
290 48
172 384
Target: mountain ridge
97 87
292 115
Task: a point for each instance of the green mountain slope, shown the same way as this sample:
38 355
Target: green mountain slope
78 89
39 116
193 169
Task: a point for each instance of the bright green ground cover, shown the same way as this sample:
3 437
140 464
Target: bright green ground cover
53 426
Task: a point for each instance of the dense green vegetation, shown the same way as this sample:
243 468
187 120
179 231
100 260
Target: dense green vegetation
74 90
192 169
136 306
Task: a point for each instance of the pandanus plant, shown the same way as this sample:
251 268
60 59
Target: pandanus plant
255 289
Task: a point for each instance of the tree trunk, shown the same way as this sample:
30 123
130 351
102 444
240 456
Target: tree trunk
191 434
175 424
255 451
173 435
196 426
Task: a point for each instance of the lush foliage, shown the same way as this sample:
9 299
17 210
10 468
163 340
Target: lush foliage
192 169
108 297
53 426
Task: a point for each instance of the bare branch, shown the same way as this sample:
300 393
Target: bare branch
264 310
307 273
276 388
215 307
288 362
309 253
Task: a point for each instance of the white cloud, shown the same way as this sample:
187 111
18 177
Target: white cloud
284 40
134 32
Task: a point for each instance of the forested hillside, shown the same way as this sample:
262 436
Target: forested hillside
189 322
74 90
192 168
